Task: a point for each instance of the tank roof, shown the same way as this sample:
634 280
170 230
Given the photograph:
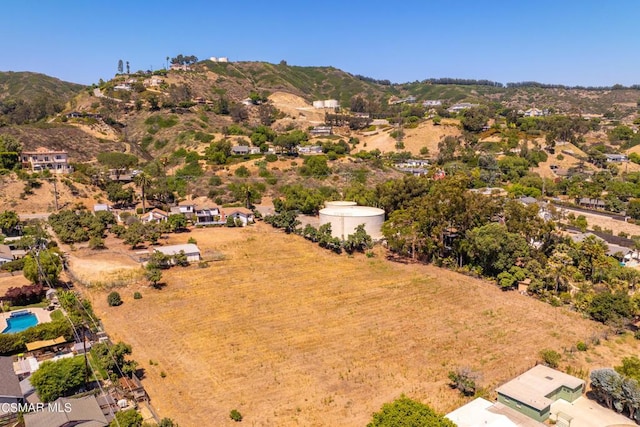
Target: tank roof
351 211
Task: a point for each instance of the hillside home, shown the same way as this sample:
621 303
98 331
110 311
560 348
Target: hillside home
122 86
100 207
243 150
310 150
456 108
408 100
533 392
616 158
185 208
209 216
154 216
44 159
179 67
592 203
327 103
432 103
535 112
190 250
321 131
154 81
243 215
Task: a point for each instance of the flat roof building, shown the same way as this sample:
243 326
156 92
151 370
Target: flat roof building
533 392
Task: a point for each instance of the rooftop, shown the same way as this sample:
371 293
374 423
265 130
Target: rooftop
85 412
170 250
532 387
9 384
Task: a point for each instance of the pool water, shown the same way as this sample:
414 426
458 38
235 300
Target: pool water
20 322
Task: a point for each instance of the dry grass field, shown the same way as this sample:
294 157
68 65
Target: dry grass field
293 335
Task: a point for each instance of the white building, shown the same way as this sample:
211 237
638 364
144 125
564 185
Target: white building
327 103
43 159
190 250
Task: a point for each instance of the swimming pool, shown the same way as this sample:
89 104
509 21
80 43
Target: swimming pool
18 321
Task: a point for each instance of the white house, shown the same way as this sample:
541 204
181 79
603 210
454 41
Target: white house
44 159
185 208
244 215
190 250
154 216
432 103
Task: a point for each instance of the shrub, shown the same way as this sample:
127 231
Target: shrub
235 415
271 157
464 379
581 346
137 295
113 299
551 358
163 374
192 240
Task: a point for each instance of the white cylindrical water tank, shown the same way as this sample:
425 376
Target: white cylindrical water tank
345 219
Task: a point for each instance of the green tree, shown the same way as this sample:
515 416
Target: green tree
358 241
113 358
118 161
404 412
44 268
135 234
143 181
9 220
167 422
315 166
608 307
630 368
55 379
130 418
494 249
153 275
177 222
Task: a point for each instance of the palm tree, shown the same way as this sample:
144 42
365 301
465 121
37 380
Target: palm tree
143 181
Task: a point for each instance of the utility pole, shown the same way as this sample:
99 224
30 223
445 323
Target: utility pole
55 192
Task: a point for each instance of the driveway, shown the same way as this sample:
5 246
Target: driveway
589 413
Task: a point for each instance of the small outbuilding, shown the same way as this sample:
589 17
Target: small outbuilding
190 250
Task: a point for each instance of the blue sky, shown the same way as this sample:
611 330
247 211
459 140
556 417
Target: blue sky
570 42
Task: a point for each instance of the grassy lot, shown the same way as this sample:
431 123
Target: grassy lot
293 335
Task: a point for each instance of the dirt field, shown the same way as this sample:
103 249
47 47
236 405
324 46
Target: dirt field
292 335
425 135
11 281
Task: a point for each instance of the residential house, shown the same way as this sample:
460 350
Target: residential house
533 392
408 100
10 391
132 389
68 412
592 203
243 150
456 108
481 412
535 112
432 103
240 150
179 67
327 103
209 216
44 159
153 81
321 131
101 207
310 149
616 158
190 250
186 208
154 216
243 215
122 86
5 254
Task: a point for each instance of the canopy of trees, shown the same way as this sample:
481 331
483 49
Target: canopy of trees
61 378
404 412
